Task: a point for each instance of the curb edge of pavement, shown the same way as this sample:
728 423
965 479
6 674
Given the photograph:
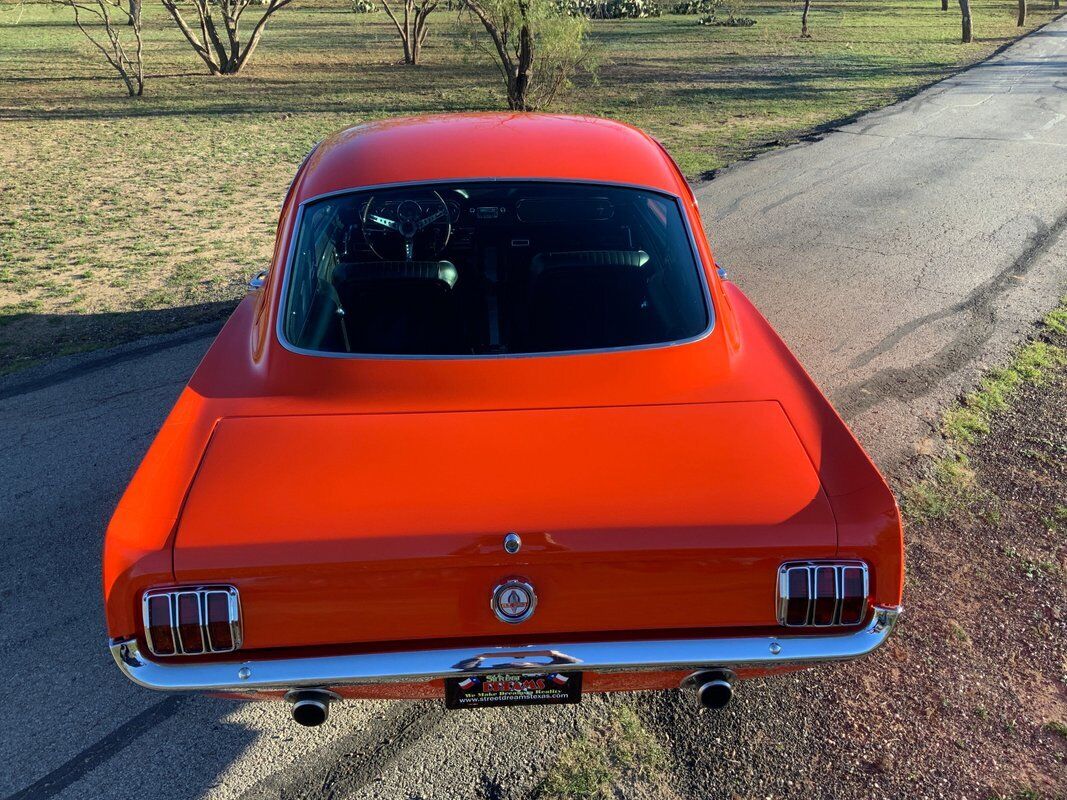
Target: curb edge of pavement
64 368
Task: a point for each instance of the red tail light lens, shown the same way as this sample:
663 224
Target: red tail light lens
822 594
189 620
798 605
192 620
159 626
853 595
825 595
219 621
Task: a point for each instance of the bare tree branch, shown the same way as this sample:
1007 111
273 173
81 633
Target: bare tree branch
223 53
497 31
412 29
130 67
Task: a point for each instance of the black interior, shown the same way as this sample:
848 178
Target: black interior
494 268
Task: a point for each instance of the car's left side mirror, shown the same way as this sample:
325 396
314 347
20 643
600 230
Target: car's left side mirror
257 281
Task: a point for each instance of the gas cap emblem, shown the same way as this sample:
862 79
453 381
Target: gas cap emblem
514 601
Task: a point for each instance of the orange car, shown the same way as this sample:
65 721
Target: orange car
494 428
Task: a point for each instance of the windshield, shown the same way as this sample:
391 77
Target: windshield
468 269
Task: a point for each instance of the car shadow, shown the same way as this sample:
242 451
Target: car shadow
27 339
72 432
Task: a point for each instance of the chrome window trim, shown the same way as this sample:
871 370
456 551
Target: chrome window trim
279 308
419 666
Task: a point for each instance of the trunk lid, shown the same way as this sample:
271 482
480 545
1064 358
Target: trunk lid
374 528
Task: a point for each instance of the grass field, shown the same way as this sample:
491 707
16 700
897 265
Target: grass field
123 217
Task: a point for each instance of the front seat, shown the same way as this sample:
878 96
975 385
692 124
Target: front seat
400 307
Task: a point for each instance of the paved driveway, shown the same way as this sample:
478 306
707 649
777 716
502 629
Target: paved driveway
897 256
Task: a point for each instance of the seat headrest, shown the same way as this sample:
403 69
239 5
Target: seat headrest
439 271
578 259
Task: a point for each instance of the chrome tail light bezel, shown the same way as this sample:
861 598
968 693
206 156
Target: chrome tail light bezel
811 569
202 594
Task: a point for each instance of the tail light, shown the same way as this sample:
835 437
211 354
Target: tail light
822 593
192 620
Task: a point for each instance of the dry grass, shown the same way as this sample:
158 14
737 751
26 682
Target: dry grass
618 751
950 485
120 217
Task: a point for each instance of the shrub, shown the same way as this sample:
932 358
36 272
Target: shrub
609 9
732 8
364 6
729 22
538 48
697 7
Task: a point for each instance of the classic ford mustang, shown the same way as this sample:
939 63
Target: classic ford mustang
493 428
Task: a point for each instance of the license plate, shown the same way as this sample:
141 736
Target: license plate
513 689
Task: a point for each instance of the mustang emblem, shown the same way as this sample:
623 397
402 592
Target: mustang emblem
513 601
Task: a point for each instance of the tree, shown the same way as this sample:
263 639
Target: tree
112 15
944 5
134 11
804 21
1022 14
537 47
222 56
413 30
965 13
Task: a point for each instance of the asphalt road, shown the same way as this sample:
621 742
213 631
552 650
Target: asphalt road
898 256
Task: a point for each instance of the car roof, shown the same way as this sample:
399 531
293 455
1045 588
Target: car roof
489 145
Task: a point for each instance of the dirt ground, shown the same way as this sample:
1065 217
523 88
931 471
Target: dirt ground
970 695
968 699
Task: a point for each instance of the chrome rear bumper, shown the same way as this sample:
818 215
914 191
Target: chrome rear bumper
416 666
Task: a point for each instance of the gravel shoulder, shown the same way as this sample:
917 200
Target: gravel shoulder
967 699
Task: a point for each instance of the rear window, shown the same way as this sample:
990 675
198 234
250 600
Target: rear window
468 269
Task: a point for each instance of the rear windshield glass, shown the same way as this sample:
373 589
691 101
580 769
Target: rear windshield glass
468 269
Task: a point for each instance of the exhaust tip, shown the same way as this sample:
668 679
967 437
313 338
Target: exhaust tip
713 689
311 707
715 694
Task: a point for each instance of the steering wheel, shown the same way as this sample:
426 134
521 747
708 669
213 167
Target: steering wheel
396 228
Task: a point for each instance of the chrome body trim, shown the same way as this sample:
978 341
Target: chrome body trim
419 666
483 179
812 568
290 255
201 593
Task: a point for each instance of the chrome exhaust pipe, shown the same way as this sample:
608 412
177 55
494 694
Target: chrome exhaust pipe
713 689
310 707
